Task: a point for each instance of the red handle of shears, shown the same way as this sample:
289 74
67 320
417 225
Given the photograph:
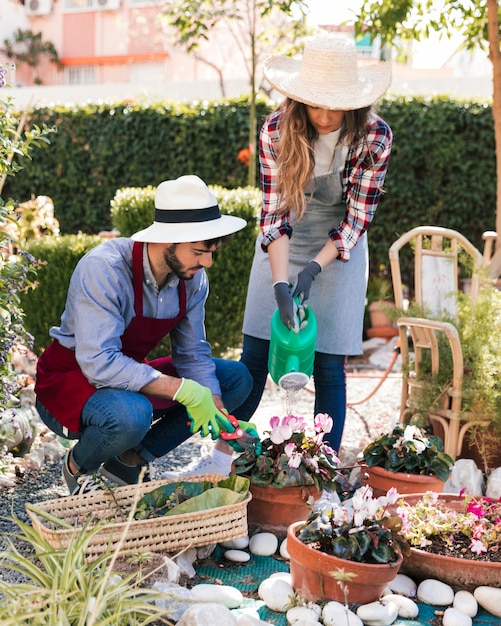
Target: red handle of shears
238 433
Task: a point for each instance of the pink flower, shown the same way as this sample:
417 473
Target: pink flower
281 433
478 531
323 423
477 546
274 421
476 509
296 424
294 456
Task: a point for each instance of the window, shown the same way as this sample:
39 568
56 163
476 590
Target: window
79 75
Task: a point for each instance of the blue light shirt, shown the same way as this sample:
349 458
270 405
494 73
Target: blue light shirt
100 306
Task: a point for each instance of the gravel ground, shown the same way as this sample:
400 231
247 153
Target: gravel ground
366 418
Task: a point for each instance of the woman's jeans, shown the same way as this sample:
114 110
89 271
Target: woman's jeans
329 374
114 420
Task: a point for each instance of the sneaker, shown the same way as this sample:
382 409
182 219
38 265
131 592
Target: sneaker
204 465
78 483
122 474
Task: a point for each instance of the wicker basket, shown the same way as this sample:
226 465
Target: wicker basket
158 534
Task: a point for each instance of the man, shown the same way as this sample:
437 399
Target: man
94 383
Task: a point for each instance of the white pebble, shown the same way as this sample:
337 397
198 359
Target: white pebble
335 613
435 592
407 608
403 585
263 544
302 614
237 556
284 553
221 594
381 613
248 620
465 601
276 594
489 599
240 543
287 576
453 617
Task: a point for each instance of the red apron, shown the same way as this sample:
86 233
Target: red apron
61 386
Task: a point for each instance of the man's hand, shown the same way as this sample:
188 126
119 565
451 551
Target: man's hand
305 278
250 439
286 305
204 416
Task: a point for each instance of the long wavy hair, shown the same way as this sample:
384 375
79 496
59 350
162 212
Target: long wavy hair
296 158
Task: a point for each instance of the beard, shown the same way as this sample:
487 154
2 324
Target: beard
175 265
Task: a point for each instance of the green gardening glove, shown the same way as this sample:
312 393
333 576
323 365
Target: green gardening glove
250 440
205 417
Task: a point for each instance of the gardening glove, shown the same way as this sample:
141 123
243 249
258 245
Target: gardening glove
249 440
304 279
286 305
204 416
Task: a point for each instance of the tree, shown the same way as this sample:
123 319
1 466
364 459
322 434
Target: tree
28 47
399 21
256 27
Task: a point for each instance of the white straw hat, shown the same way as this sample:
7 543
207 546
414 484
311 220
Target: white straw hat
329 75
185 211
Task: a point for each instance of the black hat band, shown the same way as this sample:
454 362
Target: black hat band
179 216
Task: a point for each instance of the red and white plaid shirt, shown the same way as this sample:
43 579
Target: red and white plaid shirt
363 179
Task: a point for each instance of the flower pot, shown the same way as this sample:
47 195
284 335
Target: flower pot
458 572
381 326
273 509
310 570
381 480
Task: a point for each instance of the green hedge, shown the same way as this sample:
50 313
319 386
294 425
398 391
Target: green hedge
442 168
100 148
133 210
442 172
57 258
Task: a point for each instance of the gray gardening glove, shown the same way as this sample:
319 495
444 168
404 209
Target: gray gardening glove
286 305
304 280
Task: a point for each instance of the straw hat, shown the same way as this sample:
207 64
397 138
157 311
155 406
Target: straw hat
329 75
185 211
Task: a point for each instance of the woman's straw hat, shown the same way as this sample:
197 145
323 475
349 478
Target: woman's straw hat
329 75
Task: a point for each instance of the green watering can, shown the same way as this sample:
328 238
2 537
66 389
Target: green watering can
292 355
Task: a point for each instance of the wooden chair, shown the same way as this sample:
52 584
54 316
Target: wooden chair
436 269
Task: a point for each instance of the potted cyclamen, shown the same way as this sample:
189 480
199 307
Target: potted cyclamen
407 459
355 548
290 472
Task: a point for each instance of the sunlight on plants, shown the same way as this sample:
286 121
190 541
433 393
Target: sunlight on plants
61 586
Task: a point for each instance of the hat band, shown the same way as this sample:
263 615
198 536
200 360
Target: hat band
178 216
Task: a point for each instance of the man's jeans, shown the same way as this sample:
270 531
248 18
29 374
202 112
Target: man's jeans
329 374
114 420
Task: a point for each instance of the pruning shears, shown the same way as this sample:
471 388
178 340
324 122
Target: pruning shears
240 436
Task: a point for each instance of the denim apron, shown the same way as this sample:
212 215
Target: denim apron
337 295
62 387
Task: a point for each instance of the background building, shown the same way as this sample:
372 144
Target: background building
118 49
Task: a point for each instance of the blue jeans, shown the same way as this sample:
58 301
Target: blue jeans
114 420
329 374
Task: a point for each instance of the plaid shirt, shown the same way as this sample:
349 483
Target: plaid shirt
363 179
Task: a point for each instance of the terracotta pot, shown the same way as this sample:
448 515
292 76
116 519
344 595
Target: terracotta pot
381 326
459 573
310 574
273 509
381 479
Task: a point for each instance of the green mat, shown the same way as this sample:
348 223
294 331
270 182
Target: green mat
247 577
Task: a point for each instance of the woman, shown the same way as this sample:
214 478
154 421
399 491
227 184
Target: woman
323 156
